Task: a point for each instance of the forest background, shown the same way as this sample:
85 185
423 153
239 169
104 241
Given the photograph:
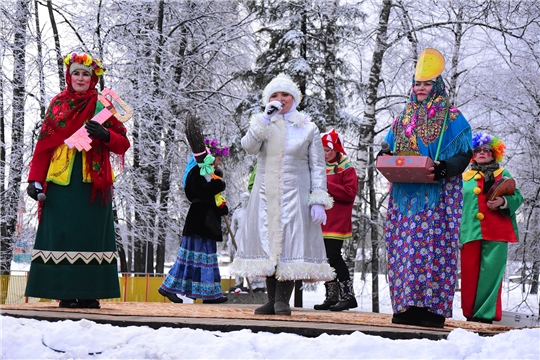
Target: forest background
353 61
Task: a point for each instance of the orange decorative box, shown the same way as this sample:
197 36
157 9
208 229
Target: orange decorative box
405 169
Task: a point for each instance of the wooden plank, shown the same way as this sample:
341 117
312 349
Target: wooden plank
232 317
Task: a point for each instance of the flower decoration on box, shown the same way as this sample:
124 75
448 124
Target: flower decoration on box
215 149
87 60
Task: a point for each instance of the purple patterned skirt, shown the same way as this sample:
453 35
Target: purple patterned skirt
422 252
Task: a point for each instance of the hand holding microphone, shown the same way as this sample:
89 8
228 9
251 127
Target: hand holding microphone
35 191
271 108
385 149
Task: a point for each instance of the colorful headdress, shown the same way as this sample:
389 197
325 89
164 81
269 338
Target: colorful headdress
283 83
83 61
430 65
215 149
333 141
496 144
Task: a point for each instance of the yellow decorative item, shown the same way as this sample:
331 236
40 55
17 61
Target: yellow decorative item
220 200
480 216
430 65
477 177
477 190
61 165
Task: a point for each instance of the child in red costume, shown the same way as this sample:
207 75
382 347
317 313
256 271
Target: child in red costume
342 183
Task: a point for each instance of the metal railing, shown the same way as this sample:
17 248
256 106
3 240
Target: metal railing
134 287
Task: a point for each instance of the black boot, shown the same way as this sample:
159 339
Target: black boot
284 291
268 308
475 319
412 316
219 300
332 295
70 304
347 300
170 296
430 319
89 303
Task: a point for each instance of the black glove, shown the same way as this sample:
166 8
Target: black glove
440 170
383 152
34 191
223 211
453 166
95 129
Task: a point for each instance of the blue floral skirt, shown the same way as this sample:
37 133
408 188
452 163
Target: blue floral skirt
195 273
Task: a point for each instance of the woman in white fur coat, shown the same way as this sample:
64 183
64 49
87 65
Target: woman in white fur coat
281 237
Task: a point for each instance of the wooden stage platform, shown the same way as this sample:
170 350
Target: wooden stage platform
232 317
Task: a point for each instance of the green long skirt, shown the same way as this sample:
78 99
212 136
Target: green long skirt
74 254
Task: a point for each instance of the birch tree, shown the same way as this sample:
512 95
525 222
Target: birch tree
12 194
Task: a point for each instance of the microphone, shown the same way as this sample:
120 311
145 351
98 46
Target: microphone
39 189
273 109
385 148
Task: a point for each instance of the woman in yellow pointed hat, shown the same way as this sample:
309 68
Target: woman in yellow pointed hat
422 223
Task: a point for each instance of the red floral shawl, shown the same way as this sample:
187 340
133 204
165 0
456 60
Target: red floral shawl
67 112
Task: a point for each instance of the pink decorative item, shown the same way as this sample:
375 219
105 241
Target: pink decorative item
80 139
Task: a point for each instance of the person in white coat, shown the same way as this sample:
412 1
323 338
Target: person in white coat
281 238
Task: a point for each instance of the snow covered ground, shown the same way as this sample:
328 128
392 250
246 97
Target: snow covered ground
84 339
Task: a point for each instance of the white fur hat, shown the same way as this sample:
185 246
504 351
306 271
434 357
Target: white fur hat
76 66
283 83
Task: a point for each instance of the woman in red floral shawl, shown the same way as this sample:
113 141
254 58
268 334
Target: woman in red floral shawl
74 255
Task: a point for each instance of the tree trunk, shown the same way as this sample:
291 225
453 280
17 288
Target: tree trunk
138 192
16 162
329 44
41 99
59 57
534 277
367 135
454 74
3 165
163 190
374 230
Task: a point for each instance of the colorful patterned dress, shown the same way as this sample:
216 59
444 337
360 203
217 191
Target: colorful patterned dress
422 222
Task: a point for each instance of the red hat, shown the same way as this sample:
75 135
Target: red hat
333 141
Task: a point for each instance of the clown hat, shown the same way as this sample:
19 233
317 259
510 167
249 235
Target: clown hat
430 65
496 144
333 141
